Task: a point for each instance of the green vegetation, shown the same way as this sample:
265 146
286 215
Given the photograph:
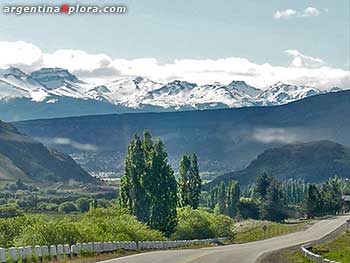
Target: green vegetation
266 201
190 182
287 255
325 199
337 249
253 230
200 224
153 205
98 225
19 197
148 189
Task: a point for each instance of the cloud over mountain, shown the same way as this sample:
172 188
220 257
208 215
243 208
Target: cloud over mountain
97 68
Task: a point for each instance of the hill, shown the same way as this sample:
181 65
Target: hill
23 158
225 140
313 162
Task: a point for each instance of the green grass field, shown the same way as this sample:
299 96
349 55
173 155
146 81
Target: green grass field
252 230
338 249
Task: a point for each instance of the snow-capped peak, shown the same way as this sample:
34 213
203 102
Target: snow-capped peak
243 86
11 71
281 93
53 78
51 85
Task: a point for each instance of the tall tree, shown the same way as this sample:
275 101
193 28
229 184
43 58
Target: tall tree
313 202
221 205
331 196
233 195
184 181
195 182
132 193
263 182
148 188
162 191
190 182
273 208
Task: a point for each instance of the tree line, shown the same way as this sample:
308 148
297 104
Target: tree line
325 198
150 191
270 199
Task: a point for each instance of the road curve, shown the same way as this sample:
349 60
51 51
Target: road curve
240 253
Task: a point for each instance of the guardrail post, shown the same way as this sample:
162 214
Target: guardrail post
38 252
66 249
13 254
53 252
2 255
60 251
28 252
21 253
73 251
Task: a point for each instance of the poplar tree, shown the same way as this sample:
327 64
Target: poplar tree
195 183
162 191
132 192
313 202
148 188
184 181
221 205
190 182
273 208
233 195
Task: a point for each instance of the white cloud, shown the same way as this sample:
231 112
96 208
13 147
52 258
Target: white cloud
67 141
303 70
311 11
274 135
285 13
20 54
291 13
301 60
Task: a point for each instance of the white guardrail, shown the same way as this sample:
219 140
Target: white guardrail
68 251
314 257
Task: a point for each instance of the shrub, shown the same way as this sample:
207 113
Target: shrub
7 211
115 224
67 207
49 232
199 224
83 204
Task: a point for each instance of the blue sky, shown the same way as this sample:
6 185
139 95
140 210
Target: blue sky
197 30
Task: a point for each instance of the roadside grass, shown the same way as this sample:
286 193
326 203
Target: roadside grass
286 255
338 249
253 230
297 257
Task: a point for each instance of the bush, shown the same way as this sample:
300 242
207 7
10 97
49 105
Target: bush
83 204
115 224
49 232
248 209
97 225
11 228
8 211
67 207
199 224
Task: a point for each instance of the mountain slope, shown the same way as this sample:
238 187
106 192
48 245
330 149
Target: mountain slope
225 140
24 158
313 162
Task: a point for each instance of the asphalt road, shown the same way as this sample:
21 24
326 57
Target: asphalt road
240 253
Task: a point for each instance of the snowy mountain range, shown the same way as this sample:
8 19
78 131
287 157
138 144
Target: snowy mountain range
55 92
